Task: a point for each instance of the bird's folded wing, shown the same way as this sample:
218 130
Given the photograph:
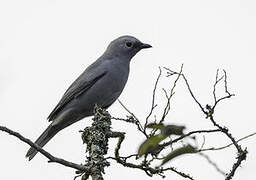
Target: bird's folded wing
79 86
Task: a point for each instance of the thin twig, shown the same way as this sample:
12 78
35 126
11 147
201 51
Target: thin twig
224 147
217 80
120 102
229 95
167 107
212 163
188 134
140 128
192 94
153 99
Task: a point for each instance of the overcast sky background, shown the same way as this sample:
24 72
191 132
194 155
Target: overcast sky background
45 45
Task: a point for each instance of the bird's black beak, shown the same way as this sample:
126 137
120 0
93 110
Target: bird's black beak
144 46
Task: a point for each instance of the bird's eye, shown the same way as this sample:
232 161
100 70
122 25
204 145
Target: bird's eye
128 44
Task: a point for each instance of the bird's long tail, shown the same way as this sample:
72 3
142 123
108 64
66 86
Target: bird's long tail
46 136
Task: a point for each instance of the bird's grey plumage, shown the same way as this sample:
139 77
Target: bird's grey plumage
101 83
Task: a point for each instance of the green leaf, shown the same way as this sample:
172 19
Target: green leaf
150 144
172 129
178 152
155 126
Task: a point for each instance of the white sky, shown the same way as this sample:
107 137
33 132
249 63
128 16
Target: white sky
45 45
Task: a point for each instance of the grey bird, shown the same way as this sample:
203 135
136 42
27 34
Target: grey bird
101 83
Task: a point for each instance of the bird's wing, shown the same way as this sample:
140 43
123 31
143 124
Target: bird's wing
86 80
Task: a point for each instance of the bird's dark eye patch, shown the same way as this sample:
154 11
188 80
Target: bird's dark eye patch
128 44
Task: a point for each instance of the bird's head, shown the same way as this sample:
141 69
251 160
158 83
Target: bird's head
126 46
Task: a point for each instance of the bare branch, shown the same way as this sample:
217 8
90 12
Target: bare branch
153 99
217 80
140 128
192 94
224 147
171 72
188 134
212 163
229 95
167 107
240 158
43 152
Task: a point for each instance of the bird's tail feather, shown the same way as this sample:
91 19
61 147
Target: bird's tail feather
42 140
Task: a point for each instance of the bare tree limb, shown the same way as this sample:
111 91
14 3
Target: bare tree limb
43 152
